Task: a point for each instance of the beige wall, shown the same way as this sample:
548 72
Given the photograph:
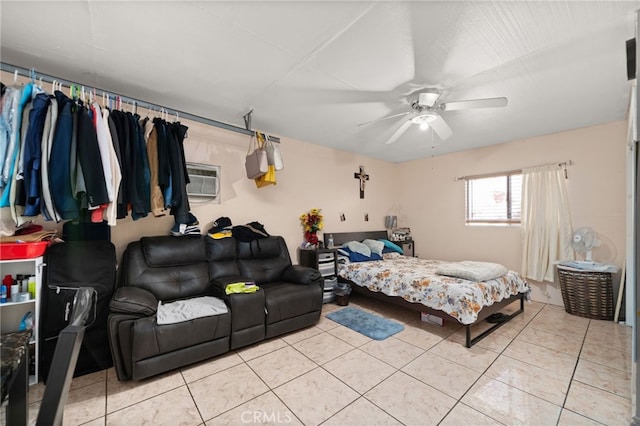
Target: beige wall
313 176
422 193
432 203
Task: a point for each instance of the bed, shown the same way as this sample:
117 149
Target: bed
413 283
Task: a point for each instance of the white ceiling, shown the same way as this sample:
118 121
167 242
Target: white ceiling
315 70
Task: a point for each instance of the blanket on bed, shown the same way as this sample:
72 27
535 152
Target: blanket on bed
416 281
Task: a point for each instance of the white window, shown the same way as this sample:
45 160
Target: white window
494 199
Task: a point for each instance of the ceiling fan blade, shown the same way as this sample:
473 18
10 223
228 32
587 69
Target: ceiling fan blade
441 128
384 118
399 132
474 103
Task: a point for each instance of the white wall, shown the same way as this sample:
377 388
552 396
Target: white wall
432 203
422 193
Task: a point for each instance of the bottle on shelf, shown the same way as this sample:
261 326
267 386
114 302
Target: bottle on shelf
8 281
330 241
32 286
3 294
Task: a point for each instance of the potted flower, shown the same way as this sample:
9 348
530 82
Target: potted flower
311 223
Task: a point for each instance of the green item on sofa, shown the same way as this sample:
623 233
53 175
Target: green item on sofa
241 288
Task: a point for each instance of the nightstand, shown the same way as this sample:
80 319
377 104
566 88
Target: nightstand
586 293
408 247
326 262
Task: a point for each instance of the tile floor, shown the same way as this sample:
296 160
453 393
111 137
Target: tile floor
545 367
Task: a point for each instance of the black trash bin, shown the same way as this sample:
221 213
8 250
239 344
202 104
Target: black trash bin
342 291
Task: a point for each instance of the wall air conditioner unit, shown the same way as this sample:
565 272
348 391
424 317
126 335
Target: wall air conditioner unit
205 181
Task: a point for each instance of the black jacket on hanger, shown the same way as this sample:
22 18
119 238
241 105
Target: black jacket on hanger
90 160
180 202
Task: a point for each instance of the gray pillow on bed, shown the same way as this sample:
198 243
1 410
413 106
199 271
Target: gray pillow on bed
473 271
374 245
358 247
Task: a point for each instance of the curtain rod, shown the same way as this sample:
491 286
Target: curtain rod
510 172
144 104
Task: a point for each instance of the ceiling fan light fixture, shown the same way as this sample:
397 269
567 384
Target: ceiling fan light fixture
425 119
424 125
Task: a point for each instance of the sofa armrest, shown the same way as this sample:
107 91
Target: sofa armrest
133 300
298 274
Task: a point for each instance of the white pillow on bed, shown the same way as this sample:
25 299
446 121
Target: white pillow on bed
374 245
473 271
358 247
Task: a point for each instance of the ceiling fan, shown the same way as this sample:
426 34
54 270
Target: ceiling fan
426 111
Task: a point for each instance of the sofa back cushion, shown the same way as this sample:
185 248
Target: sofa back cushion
169 267
172 251
221 255
263 260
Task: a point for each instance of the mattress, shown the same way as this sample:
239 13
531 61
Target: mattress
416 281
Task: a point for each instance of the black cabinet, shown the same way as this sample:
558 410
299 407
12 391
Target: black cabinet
325 261
408 247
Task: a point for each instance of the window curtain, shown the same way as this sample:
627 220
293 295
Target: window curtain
546 221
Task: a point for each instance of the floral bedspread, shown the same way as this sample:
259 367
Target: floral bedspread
415 280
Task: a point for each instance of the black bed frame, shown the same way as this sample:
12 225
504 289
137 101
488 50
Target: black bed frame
343 237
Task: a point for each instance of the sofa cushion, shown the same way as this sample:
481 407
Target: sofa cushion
265 248
150 339
165 283
172 251
263 260
221 255
285 300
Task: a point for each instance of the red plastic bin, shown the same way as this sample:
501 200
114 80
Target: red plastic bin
12 251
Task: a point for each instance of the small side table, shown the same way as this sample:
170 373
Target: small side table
326 262
14 353
408 247
586 293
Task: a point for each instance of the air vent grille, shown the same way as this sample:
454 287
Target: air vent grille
205 181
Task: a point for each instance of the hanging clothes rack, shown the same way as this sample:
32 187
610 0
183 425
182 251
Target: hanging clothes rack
138 103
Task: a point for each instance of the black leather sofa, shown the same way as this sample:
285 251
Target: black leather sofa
170 268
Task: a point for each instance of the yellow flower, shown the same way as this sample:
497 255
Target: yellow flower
312 221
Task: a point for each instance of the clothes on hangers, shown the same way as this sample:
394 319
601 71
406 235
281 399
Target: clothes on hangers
164 169
179 201
10 99
62 174
10 161
110 163
140 191
48 209
33 153
66 159
157 200
121 134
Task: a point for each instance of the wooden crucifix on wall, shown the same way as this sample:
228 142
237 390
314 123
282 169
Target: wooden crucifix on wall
363 177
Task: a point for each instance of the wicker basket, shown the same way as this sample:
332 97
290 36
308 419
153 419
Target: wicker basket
586 293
